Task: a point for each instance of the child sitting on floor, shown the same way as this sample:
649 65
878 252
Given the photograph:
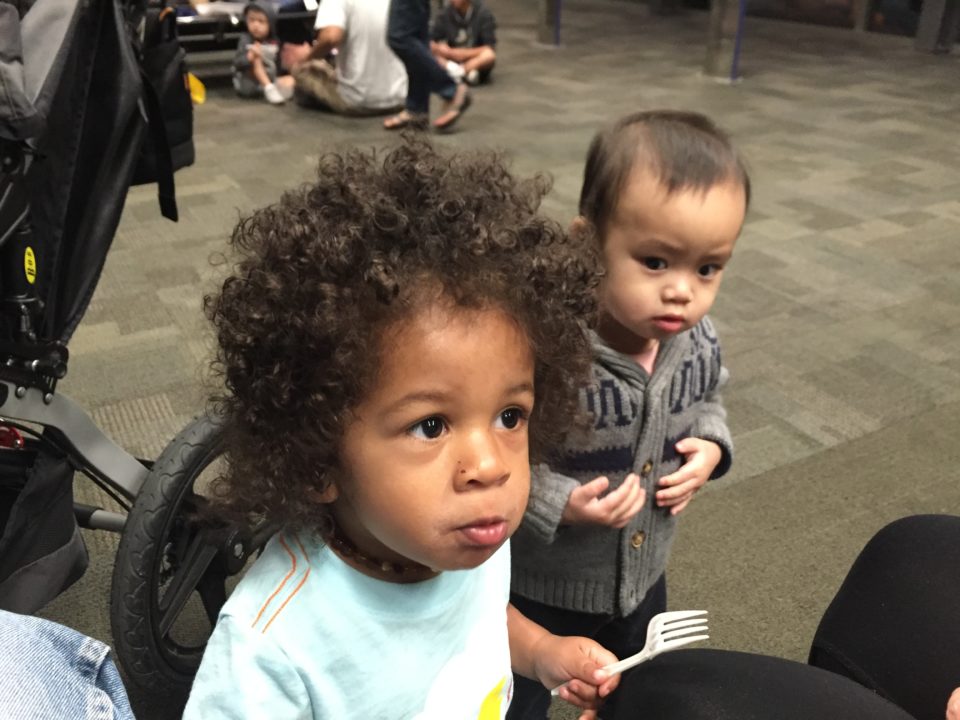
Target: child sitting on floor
256 62
397 339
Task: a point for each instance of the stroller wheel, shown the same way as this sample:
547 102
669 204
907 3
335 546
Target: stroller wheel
175 567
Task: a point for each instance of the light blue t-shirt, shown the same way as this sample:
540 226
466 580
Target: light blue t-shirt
304 635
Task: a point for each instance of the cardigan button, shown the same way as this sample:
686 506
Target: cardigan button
645 470
637 540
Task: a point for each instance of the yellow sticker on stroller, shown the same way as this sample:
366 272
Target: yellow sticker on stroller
30 265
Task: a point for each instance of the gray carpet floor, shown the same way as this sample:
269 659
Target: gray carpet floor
840 314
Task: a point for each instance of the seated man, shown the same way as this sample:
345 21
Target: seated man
367 77
463 39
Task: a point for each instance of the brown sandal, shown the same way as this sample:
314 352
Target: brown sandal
404 119
458 106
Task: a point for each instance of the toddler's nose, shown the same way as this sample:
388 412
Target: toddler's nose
679 290
481 461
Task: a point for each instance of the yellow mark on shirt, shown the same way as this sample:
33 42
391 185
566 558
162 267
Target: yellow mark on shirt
490 709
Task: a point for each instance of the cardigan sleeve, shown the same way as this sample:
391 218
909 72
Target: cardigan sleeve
549 492
711 424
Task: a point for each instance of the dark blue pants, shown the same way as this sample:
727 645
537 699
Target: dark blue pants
621 636
408 34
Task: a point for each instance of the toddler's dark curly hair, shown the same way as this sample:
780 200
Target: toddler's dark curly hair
323 272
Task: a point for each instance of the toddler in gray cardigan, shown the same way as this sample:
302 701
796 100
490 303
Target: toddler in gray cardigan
665 195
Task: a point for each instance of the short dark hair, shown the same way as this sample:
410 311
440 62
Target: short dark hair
683 150
322 273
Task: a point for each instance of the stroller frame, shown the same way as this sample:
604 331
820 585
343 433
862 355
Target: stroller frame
71 430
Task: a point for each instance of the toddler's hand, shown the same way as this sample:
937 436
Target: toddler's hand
953 706
576 661
615 509
702 457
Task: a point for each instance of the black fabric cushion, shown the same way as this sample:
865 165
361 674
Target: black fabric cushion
41 550
894 625
726 685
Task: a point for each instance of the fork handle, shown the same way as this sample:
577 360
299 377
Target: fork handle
627 663
617 667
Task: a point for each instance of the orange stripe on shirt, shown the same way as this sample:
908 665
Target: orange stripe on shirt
293 569
289 598
306 557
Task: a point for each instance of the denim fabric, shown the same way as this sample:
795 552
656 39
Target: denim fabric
408 34
52 671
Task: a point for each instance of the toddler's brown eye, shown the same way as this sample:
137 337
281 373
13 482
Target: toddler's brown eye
708 271
430 428
652 263
511 417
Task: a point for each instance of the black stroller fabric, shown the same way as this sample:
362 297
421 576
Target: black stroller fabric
88 151
73 121
41 551
71 84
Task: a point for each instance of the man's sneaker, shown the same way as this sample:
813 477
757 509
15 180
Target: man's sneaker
472 77
454 70
273 95
286 91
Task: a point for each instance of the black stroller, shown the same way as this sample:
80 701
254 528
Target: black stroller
88 92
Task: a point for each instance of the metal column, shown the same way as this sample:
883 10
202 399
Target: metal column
937 29
548 21
723 39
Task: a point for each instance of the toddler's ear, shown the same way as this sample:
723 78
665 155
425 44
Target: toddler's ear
324 496
578 225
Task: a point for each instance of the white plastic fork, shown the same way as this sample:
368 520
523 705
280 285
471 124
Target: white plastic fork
666 631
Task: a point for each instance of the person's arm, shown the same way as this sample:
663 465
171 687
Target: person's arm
241 61
711 422
708 450
328 39
459 55
330 26
712 425
549 494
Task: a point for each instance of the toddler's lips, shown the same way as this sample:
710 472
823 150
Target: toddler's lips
669 323
485 533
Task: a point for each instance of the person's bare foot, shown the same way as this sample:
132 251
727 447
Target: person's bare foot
454 108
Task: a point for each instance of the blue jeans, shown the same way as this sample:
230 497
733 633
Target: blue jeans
408 34
52 671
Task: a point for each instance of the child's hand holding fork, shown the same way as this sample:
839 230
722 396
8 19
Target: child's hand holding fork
574 662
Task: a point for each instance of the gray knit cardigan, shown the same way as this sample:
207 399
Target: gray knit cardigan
637 419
